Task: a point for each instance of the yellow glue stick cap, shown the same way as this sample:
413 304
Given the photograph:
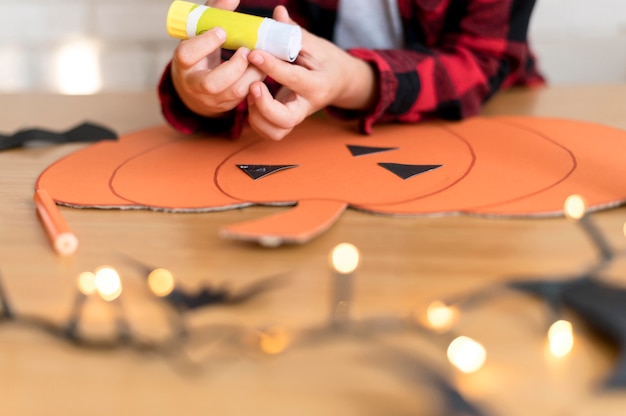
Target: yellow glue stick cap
177 18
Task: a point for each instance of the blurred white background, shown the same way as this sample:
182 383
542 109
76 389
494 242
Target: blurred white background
86 46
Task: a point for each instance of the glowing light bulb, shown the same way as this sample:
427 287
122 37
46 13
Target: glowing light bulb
274 341
161 282
466 354
77 68
345 258
440 316
87 283
561 338
108 283
575 207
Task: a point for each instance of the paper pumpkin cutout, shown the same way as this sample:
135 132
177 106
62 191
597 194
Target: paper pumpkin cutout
498 166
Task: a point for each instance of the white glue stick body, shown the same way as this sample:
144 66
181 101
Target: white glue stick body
186 20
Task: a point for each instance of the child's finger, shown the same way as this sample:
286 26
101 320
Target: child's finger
264 128
223 4
282 114
263 105
222 77
190 52
282 15
286 74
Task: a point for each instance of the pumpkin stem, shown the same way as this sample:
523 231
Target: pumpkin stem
297 225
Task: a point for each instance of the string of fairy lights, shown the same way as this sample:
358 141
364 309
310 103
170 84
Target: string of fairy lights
105 283
437 322
442 315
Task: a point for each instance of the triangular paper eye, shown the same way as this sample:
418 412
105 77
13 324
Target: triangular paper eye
367 150
407 171
260 171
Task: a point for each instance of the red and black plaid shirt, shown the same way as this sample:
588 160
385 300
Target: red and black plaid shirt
457 54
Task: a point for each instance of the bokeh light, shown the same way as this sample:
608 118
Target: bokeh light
161 282
274 340
87 283
575 207
76 68
440 316
108 283
466 354
344 258
561 338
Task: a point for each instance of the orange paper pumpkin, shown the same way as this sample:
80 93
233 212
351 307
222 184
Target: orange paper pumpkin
502 166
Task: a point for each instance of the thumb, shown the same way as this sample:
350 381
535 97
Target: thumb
282 15
223 4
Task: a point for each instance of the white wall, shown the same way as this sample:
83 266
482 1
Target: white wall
581 41
129 35
576 41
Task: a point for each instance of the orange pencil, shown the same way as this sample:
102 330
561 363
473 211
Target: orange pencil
61 236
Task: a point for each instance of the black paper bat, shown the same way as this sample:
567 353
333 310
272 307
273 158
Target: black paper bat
85 132
598 304
209 296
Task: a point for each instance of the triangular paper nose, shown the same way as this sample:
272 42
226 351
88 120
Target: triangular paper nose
407 171
367 150
259 171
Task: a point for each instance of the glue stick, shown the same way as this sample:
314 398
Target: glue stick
186 20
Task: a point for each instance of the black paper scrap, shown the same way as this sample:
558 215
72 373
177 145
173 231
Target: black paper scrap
85 132
368 150
260 171
407 171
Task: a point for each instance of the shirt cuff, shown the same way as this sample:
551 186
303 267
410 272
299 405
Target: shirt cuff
387 85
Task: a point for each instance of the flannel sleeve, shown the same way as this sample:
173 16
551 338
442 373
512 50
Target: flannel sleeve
484 50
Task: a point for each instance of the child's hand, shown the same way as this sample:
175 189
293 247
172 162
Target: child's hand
208 86
322 75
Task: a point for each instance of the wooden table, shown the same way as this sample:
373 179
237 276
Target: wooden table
406 263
